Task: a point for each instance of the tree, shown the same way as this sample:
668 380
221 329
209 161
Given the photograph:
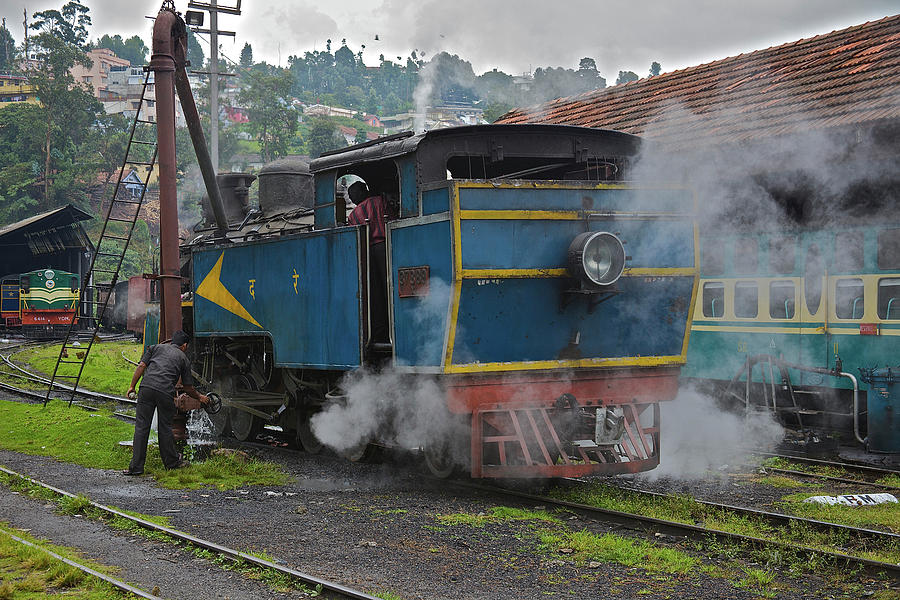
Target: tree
360 136
626 76
323 136
587 73
194 51
494 110
655 69
452 77
273 121
133 49
7 49
246 59
69 109
69 24
21 148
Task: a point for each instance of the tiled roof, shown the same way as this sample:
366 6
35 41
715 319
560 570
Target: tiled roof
843 78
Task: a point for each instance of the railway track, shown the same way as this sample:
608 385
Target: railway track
118 584
867 475
21 373
335 590
787 523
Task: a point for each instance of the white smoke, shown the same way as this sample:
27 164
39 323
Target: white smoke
400 409
392 406
422 95
698 436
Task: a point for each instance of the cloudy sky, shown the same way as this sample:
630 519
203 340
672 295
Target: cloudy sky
514 36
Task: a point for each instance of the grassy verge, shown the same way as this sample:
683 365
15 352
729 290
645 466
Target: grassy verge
91 439
892 480
687 510
884 517
105 371
761 571
27 572
554 539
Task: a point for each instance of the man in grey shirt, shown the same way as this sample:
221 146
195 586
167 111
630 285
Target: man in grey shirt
161 367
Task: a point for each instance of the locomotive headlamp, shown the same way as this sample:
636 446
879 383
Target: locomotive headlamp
597 258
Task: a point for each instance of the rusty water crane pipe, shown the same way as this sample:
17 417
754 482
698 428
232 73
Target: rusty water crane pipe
168 30
189 107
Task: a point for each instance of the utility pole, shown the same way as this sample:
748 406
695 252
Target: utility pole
214 9
214 84
25 23
5 49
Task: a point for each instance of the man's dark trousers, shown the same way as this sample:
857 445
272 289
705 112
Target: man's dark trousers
164 405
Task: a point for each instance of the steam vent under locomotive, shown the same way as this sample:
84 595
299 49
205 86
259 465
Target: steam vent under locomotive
541 299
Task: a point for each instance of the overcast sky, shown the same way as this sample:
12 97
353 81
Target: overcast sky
514 36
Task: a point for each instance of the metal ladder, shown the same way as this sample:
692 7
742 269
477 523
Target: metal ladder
121 217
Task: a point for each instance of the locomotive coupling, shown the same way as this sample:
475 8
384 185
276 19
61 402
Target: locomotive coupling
610 426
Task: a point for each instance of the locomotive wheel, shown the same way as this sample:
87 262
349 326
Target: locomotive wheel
363 452
244 426
307 439
439 459
221 423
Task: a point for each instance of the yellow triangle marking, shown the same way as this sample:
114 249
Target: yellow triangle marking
214 290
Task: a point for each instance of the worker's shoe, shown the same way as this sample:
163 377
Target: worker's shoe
179 465
132 473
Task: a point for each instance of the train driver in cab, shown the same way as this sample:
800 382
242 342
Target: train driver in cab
373 210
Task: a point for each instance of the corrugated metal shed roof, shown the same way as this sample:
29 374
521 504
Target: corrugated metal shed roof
844 78
64 216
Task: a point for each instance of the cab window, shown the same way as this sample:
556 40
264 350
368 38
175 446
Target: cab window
889 298
849 298
714 299
746 299
812 278
781 299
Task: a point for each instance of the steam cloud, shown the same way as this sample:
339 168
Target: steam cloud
697 436
406 410
403 409
422 95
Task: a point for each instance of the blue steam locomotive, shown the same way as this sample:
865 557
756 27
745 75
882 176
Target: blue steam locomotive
537 304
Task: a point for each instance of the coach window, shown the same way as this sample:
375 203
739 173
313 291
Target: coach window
889 249
849 299
812 279
746 299
889 299
712 258
746 255
781 299
781 254
848 251
714 299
